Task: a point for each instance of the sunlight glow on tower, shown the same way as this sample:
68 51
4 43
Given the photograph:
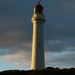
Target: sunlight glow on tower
38 19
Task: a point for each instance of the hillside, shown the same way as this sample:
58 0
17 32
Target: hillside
47 71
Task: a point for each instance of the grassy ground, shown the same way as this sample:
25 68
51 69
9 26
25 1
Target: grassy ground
47 71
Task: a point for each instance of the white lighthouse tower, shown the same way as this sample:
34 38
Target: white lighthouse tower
38 21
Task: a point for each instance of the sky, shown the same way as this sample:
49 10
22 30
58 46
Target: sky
16 33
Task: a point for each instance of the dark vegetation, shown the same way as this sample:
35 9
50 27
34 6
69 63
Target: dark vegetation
47 71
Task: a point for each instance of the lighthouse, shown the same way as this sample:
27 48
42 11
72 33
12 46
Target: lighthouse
38 20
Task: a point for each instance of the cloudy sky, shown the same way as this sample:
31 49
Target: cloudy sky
16 33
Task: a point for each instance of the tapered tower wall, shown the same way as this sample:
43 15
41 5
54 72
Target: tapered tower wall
38 61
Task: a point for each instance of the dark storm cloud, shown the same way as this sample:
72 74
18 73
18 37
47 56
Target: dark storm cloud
16 26
60 22
60 25
14 23
67 44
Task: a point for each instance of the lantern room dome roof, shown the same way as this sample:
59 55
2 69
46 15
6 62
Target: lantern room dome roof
38 6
